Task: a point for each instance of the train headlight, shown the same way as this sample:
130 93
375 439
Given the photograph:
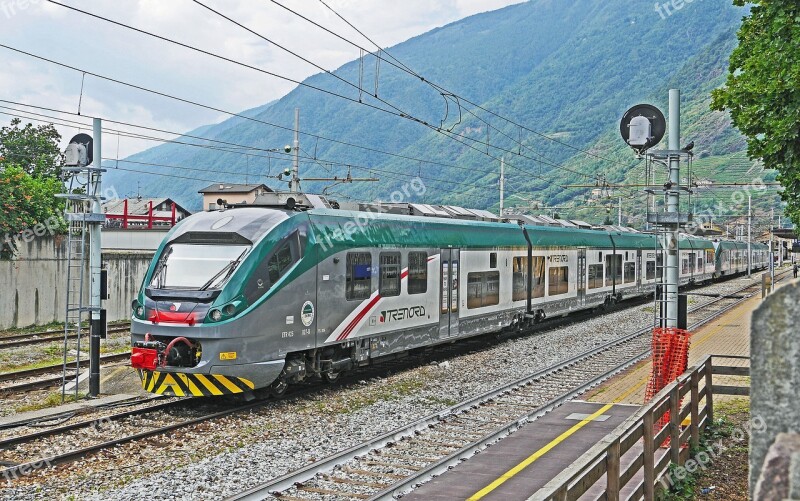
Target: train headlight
137 308
229 310
215 315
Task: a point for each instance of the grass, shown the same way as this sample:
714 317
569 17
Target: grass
52 326
379 393
728 471
53 359
52 400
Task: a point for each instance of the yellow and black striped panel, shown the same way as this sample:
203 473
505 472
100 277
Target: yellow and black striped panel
195 385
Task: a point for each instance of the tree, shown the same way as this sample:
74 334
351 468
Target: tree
761 92
30 164
35 149
28 208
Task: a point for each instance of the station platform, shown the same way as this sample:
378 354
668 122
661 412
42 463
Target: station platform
727 335
516 467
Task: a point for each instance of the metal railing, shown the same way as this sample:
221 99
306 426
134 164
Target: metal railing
640 438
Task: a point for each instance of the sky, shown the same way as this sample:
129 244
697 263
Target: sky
57 33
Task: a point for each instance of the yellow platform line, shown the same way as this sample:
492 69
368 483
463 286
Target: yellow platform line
705 334
544 450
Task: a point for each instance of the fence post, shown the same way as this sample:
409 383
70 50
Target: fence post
709 390
675 424
649 457
695 405
612 471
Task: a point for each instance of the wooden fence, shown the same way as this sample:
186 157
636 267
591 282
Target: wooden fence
690 396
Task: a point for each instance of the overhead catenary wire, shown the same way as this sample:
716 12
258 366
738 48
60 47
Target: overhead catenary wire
402 66
250 148
457 138
394 174
232 114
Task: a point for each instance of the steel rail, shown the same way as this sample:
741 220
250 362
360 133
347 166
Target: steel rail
440 467
25 335
15 471
328 463
280 484
38 371
26 340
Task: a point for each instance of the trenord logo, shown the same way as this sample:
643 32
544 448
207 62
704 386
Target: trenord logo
400 314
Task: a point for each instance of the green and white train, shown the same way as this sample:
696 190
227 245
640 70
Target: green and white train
256 298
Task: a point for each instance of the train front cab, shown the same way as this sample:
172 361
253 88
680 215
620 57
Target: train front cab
198 325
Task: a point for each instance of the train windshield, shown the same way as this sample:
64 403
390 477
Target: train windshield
197 267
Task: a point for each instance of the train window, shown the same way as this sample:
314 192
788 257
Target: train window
520 278
483 289
709 256
492 260
659 266
280 261
684 266
595 276
417 272
630 272
277 263
389 278
613 269
691 261
538 276
700 263
559 281
519 268
358 280
650 270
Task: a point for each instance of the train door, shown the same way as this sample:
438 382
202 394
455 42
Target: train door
581 276
449 300
639 269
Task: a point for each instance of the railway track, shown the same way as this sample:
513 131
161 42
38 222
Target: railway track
49 381
392 464
177 413
32 338
465 427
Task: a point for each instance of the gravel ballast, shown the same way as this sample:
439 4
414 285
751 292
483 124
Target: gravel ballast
220 458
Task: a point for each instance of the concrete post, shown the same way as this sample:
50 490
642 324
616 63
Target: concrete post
95 262
749 234
294 185
775 373
502 183
673 198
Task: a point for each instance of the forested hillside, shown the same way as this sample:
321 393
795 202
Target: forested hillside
563 71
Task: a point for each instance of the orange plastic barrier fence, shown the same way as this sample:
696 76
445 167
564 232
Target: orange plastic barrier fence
670 360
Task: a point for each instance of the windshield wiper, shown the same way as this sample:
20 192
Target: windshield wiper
229 268
161 271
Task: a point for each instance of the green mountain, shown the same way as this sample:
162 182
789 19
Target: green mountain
564 71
